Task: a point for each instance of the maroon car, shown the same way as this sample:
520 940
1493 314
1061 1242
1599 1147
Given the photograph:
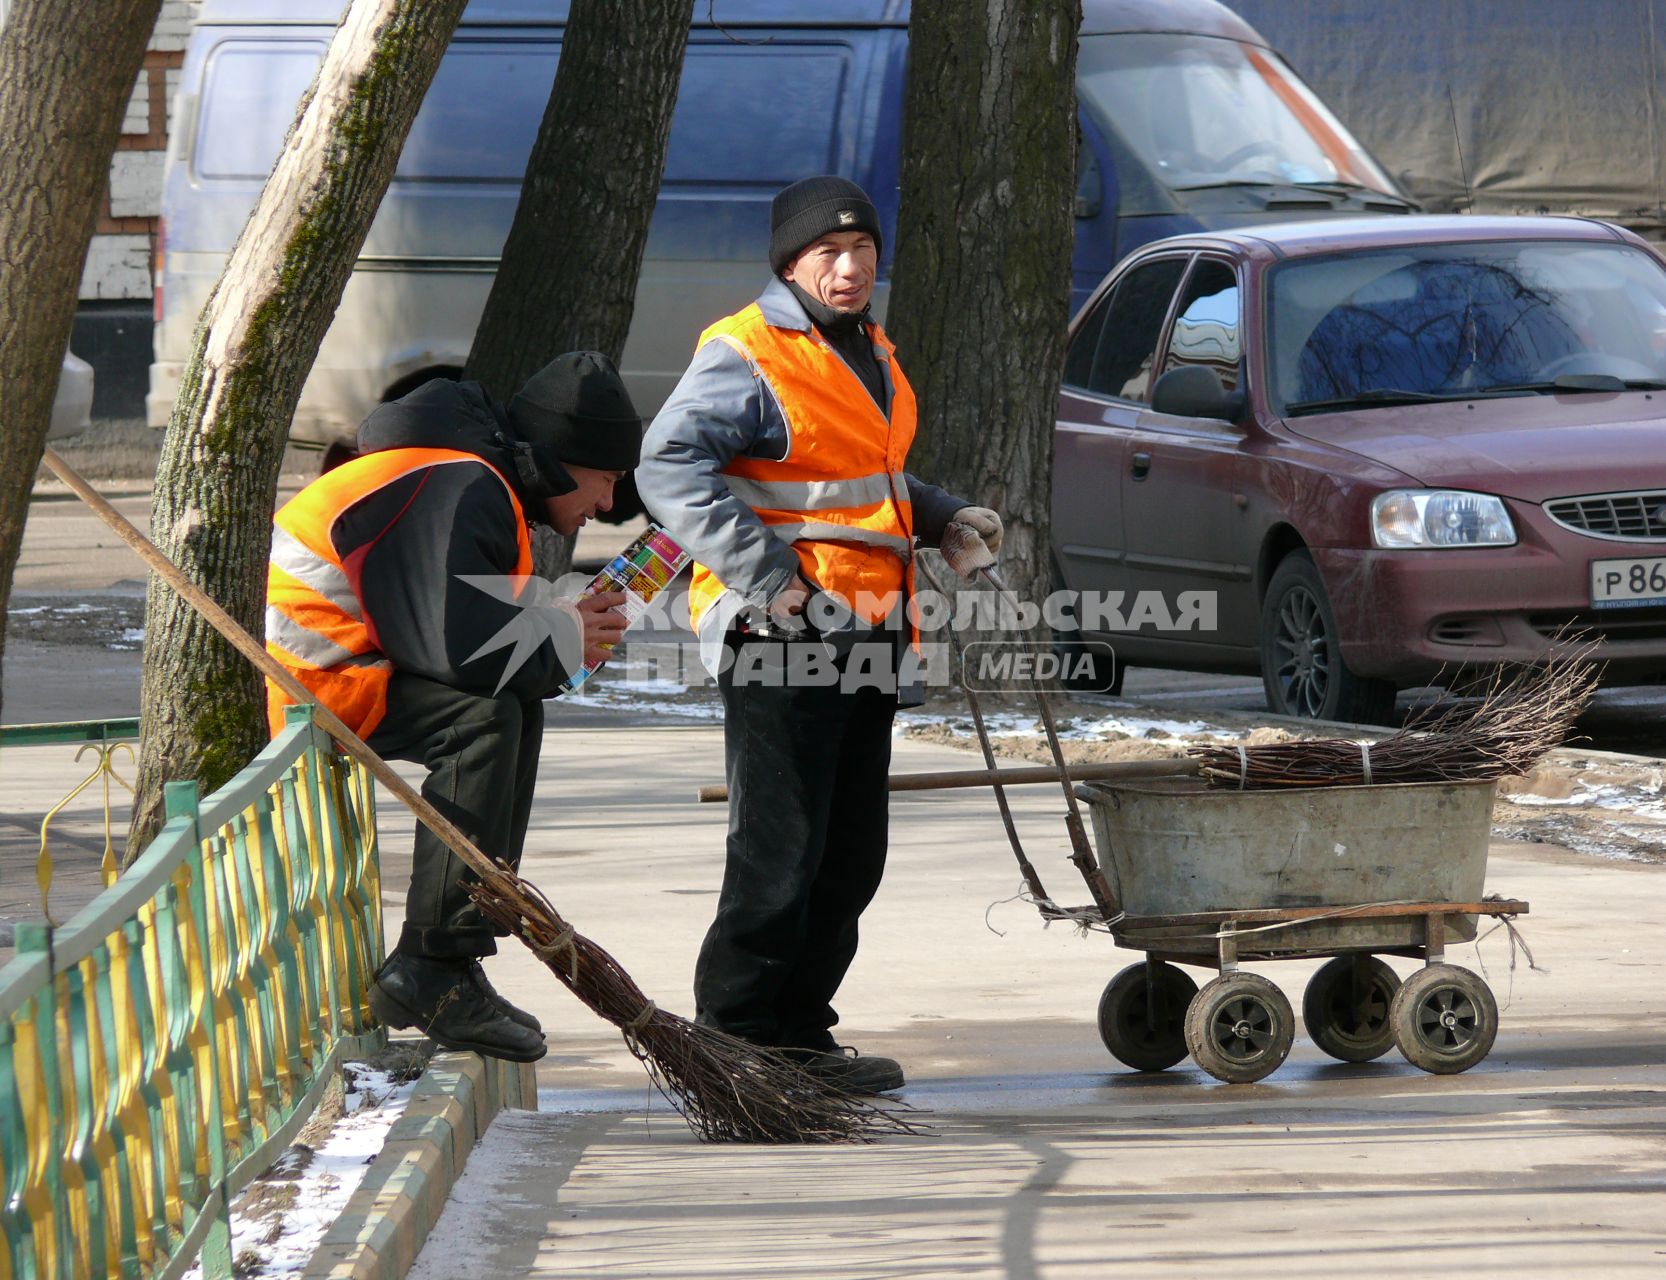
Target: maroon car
1357 455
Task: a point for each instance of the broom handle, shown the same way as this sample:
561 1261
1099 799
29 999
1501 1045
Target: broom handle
269 667
1175 767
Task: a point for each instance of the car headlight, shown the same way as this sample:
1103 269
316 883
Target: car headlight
1439 518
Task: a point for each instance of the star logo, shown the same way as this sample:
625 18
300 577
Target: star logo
544 612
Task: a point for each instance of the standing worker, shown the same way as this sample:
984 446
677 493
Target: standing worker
779 462
400 594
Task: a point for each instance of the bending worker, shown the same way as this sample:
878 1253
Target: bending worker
399 594
778 462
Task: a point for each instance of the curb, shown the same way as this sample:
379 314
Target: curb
383 1227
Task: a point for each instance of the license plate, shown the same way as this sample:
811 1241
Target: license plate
1620 584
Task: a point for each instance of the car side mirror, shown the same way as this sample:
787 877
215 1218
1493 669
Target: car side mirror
1195 391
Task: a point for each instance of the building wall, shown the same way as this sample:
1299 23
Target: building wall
119 260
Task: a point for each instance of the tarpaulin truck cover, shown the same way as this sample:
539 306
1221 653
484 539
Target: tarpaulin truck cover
1557 104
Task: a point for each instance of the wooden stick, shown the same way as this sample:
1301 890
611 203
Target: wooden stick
1177 767
269 667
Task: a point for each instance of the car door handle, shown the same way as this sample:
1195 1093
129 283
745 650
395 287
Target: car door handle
1140 466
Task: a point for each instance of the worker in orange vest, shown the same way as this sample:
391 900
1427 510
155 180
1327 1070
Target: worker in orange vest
399 593
780 463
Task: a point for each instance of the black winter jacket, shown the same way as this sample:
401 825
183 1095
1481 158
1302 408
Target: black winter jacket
422 534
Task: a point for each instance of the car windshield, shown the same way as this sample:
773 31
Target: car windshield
1450 321
1202 111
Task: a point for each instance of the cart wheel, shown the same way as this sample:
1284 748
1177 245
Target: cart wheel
1345 1008
1444 1019
1146 1030
1240 1027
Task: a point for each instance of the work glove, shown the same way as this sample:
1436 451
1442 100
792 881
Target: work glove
971 540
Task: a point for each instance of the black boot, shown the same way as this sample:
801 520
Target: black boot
850 1070
514 1014
439 999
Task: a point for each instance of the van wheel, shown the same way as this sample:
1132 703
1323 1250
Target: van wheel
1302 670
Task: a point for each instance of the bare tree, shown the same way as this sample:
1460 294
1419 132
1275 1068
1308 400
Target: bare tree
201 704
567 279
981 291
66 70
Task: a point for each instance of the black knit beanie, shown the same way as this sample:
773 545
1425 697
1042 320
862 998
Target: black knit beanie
812 207
577 407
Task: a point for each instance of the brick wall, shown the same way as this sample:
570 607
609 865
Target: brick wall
119 261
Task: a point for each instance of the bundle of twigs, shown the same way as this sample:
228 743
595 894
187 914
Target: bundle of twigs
1521 715
727 1089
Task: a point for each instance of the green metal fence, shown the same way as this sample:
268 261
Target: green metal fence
162 1047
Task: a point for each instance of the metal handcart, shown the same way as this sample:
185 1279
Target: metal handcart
1219 879
1215 878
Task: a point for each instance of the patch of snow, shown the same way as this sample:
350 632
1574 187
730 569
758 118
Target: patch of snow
1602 796
269 1243
503 1193
1139 727
130 638
602 697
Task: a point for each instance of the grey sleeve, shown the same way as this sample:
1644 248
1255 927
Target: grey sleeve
933 509
717 412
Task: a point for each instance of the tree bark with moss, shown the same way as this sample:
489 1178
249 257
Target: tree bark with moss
66 71
202 707
567 278
980 296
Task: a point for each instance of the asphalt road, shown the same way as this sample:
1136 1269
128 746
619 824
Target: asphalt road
1047 1158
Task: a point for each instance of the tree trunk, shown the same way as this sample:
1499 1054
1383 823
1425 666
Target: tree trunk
567 279
66 70
202 707
980 294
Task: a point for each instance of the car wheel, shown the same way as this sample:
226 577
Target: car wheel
1302 669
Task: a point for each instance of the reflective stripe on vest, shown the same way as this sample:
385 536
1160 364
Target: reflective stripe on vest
315 623
839 496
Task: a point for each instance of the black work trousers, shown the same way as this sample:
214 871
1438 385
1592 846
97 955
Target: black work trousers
481 754
807 832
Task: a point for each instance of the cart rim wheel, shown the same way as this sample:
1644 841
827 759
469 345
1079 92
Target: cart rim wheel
1145 1028
1240 1028
1445 1019
1347 1008
1448 1019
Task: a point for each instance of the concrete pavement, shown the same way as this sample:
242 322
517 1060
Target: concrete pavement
1049 1159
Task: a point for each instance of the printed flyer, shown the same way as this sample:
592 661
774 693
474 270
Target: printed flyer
642 570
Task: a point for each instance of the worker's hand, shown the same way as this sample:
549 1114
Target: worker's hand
970 541
604 625
789 602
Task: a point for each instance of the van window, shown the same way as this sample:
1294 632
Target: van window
482 113
1203 112
1206 323
783 101
1124 344
250 92
477 123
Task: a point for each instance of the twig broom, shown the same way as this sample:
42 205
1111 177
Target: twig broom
725 1088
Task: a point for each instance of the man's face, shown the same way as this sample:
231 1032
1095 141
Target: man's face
568 512
838 270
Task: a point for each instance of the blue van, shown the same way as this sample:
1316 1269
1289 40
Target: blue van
1188 121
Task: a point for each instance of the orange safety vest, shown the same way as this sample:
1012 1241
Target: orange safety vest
315 624
839 496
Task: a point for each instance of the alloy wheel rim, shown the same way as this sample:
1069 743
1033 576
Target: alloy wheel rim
1303 650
